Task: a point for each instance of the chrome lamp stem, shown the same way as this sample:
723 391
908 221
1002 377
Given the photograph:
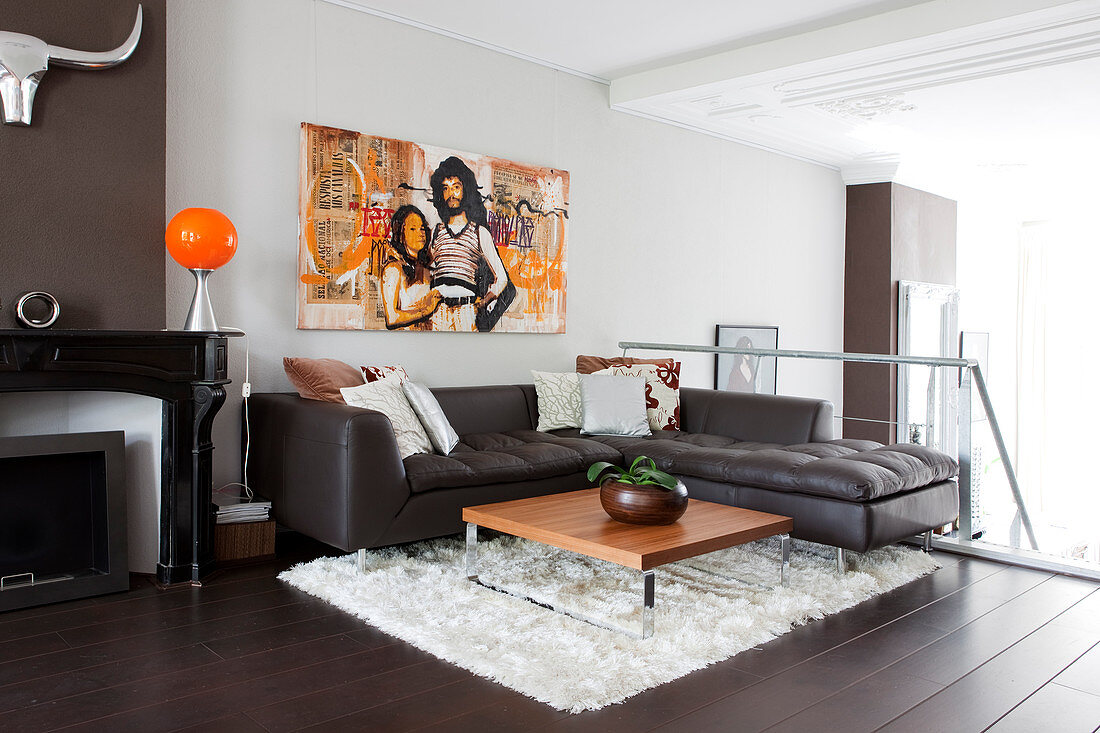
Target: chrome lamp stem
201 315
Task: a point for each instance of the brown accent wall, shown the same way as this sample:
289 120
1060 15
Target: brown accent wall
867 272
892 233
82 188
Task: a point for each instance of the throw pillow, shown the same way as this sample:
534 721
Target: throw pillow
662 391
559 400
435 423
613 405
374 373
591 364
320 379
387 397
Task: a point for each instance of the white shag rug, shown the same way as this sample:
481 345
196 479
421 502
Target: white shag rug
419 593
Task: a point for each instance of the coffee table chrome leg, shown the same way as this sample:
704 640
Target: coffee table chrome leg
648 592
471 551
647 600
785 567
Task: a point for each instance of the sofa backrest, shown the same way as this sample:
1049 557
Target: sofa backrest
753 417
756 417
489 409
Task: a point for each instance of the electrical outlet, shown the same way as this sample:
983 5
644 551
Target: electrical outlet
246 390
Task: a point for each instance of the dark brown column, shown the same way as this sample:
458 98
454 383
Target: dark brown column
892 233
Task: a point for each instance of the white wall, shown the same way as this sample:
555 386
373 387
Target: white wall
671 232
49 413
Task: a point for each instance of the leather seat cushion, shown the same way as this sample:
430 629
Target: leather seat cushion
515 455
839 469
852 470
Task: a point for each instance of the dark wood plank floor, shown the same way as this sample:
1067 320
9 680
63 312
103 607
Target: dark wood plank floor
974 646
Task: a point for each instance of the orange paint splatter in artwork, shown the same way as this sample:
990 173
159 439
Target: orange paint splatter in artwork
367 182
357 252
537 275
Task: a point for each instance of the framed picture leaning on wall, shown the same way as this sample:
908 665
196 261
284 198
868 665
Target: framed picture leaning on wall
744 372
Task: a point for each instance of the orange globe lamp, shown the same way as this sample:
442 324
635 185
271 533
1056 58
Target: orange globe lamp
201 240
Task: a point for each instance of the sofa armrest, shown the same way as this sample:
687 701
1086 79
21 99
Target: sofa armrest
756 417
331 471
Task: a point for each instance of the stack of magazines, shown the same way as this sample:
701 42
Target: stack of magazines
233 509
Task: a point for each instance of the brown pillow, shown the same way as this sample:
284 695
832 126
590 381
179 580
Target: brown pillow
321 379
591 364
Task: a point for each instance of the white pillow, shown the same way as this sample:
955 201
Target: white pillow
662 392
613 405
559 397
387 397
431 415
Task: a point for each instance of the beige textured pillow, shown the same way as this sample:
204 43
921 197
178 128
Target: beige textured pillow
559 400
387 397
320 379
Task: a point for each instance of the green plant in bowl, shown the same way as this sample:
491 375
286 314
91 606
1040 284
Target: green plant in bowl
638 474
641 494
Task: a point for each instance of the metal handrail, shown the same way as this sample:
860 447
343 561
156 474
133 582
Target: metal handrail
939 361
967 368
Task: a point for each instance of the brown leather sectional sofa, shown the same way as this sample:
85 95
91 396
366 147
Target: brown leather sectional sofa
333 472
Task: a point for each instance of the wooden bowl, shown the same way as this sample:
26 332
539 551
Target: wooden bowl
634 504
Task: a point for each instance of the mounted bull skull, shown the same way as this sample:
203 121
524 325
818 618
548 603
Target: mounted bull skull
24 59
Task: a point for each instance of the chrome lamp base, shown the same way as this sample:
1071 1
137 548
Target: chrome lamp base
201 315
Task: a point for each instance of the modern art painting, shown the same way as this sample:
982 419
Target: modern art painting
745 372
396 235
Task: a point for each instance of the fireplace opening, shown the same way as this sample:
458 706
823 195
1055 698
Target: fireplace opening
62 517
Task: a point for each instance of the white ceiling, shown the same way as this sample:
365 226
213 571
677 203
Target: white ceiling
953 89
610 38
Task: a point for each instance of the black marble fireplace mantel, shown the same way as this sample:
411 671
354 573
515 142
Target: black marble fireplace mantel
187 370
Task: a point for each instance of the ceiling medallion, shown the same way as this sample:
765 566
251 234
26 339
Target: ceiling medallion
866 108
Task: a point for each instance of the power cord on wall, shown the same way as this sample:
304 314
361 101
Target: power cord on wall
246 392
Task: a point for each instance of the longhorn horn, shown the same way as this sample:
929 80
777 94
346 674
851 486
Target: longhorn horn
97 59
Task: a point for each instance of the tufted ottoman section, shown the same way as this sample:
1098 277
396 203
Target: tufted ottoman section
851 470
515 455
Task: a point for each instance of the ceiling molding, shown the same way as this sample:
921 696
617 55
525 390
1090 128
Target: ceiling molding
947 19
1005 53
819 105
871 169
866 108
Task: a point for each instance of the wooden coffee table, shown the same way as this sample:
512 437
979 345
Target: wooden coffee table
575 521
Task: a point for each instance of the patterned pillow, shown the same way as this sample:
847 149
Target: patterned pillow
559 400
662 391
387 397
374 373
593 364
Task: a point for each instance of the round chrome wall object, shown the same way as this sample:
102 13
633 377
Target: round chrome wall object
44 321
